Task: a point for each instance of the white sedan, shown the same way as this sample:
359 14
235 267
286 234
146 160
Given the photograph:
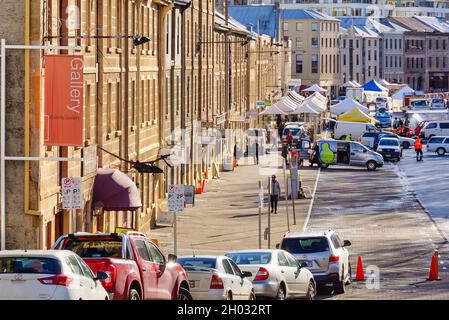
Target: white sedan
216 278
277 274
48 275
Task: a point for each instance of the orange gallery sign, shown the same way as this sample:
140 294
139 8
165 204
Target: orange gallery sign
63 100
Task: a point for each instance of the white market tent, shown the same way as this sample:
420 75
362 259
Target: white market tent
285 106
346 105
384 82
273 110
403 92
314 88
351 84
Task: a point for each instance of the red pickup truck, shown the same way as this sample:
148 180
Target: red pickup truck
136 267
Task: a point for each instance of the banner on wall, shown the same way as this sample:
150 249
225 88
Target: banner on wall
64 100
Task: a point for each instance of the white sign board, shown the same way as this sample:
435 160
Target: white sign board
176 198
72 193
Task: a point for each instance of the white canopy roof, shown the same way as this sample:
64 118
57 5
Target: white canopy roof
403 92
384 82
346 105
274 109
314 88
351 84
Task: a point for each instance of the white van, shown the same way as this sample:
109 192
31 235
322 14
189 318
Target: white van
435 128
356 129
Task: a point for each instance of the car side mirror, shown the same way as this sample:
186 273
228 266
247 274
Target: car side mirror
172 258
246 274
346 243
302 264
101 275
278 245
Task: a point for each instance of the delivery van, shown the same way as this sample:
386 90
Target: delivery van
356 129
348 153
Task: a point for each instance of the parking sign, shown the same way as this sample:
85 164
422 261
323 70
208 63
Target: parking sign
176 198
72 193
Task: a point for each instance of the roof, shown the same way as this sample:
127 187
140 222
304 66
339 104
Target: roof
232 25
255 251
373 85
300 14
262 19
437 24
202 257
411 24
308 234
386 26
36 253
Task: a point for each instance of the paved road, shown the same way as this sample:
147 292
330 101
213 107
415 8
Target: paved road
388 228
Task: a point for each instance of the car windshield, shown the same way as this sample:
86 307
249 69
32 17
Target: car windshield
437 101
305 245
30 265
209 263
419 103
251 257
388 142
96 248
294 131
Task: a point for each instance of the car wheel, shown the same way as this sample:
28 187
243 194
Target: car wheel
311 291
406 145
184 294
281 293
371 166
252 296
441 151
133 294
340 287
229 296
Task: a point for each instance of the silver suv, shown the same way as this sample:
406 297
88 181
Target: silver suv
324 253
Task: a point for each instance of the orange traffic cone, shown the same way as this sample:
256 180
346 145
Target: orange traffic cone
360 275
433 272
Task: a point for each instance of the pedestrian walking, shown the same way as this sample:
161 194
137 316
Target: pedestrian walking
289 139
256 152
275 193
284 153
395 123
418 149
314 155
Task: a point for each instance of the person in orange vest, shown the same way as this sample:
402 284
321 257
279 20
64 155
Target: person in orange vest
418 148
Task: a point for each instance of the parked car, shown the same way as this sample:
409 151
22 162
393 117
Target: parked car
383 117
348 153
296 129
390 149
324 253
217 278
48 275
438 103
356 129
277 274
371 139
439 145
435 128
137 268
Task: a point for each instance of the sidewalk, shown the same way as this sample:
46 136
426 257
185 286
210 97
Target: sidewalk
225 217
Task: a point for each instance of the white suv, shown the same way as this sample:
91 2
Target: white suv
324 253
440 145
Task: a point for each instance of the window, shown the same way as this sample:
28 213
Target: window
314 63
305 245
251 257
430 62
446 141
430 44
299 26
436 140
357 59
432 125
344 59
86 270
444 125
155 254
386 61
299 63
72 262
227 266
314 26
235 268
285 26
282 260
29 265
314 42
142 250
395 43
335 241
299 43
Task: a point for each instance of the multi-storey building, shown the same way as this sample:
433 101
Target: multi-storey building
364 8
359 52
315 52
425 57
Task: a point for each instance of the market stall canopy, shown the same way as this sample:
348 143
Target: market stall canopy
273 110
356 115
351 84
403 92
314 88
384 82
115 191
347 105
357 84
373 85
